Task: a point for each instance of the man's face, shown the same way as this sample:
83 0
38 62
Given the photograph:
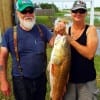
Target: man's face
27 18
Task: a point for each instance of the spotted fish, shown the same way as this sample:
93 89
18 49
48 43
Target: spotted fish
59 66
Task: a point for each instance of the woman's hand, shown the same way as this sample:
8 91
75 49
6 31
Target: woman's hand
60 28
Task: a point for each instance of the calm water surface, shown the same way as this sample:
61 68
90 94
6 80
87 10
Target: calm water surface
98 49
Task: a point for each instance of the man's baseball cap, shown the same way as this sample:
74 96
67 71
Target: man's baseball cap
79 5
23 4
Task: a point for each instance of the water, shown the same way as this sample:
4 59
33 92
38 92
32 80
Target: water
98 49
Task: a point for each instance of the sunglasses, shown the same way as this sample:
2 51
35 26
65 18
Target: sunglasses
79 11
30 11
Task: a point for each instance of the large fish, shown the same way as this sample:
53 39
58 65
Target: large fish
59 67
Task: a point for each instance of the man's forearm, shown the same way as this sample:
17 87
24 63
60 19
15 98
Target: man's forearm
3 74
1 68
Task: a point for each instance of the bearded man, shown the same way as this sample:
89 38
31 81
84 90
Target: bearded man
28 52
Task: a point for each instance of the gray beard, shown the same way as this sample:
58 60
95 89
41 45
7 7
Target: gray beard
27 23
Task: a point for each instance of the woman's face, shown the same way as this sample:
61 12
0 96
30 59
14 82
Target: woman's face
78 15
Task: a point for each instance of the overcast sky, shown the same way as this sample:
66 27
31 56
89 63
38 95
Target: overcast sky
67 3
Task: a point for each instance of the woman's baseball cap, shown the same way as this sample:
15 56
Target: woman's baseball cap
79 5
23 4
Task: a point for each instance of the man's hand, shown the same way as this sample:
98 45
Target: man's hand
5 88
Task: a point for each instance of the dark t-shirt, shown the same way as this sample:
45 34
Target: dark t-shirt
31 49
82 69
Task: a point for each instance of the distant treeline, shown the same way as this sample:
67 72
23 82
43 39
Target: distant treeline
96 8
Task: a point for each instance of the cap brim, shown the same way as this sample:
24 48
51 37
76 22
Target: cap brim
27 6
76 8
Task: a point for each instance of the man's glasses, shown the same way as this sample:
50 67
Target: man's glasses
81 11
30 11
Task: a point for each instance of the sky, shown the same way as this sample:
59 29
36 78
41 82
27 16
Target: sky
69 4
61 4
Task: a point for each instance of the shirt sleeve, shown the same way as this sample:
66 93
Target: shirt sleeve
5 38
47 34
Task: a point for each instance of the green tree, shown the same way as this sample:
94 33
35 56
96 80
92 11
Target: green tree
48 6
